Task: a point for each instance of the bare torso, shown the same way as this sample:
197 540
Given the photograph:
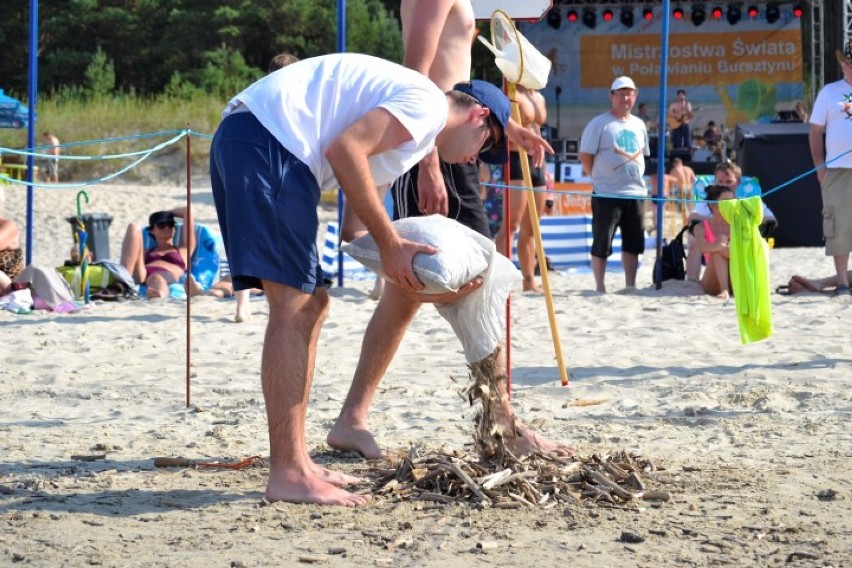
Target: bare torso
451 63
532 108
684 177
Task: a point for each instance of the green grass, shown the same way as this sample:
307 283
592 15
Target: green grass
79 122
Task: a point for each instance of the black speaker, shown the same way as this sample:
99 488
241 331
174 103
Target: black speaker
775 154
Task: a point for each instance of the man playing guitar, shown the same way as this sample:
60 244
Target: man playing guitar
679 115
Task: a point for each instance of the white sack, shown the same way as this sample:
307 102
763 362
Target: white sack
478 319
462 255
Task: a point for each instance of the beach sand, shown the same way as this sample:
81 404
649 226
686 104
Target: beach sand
754 441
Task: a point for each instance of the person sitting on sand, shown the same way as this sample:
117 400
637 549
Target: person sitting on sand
164 264
11 256
799 284
712 237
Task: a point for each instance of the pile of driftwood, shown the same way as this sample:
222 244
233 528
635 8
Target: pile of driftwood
534 481
498 477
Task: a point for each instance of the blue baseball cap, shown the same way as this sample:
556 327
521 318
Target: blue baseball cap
494 100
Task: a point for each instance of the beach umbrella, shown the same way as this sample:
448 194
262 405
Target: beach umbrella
81 237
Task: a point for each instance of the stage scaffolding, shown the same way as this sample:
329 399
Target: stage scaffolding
813 20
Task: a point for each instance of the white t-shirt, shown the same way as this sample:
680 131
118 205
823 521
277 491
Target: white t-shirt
308 104
833 109
619 147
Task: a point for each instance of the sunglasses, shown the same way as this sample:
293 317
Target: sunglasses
493 134
165 225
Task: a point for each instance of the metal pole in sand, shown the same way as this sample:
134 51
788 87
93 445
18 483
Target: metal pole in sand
190 226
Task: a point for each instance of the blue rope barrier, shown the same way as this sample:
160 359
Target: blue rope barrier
144 155
663 199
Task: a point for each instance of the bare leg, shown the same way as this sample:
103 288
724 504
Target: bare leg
195 289
243 313
498 417
517 205
802 284
526 245
10 235
693 259
381 340
841 264
158 286
599 270
5 283
799 284
715 279
630 261
289 353
132 254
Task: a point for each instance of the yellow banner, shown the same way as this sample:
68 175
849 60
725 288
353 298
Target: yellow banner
694 58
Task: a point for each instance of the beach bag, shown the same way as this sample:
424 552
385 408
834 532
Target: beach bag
673 260
99 277
46 284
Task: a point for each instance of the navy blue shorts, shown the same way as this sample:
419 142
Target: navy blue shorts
266 201
608 214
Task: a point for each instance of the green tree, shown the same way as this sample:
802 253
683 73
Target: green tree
100 74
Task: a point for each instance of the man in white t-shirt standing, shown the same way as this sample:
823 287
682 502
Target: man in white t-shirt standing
612 150
342 120
832 118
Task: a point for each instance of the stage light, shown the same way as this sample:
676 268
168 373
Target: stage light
798 10
607 15
716 13
734 14
627 17
590 17
554 18
677 13
697 15
772 13
648 14
572 16
753 12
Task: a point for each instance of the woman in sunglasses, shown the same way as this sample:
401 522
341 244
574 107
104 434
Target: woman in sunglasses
166 262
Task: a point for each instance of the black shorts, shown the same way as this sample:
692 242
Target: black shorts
465 204
607 215
536 174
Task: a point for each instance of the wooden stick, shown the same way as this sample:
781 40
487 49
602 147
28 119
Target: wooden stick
469 482
539 245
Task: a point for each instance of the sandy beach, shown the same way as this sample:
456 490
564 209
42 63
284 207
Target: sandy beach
753 443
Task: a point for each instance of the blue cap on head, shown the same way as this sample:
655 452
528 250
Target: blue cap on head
492 98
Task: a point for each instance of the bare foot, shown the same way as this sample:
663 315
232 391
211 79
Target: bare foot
531 286
243 312
351 439
195 288
802 284
724 295
335 477
528 442
295 486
